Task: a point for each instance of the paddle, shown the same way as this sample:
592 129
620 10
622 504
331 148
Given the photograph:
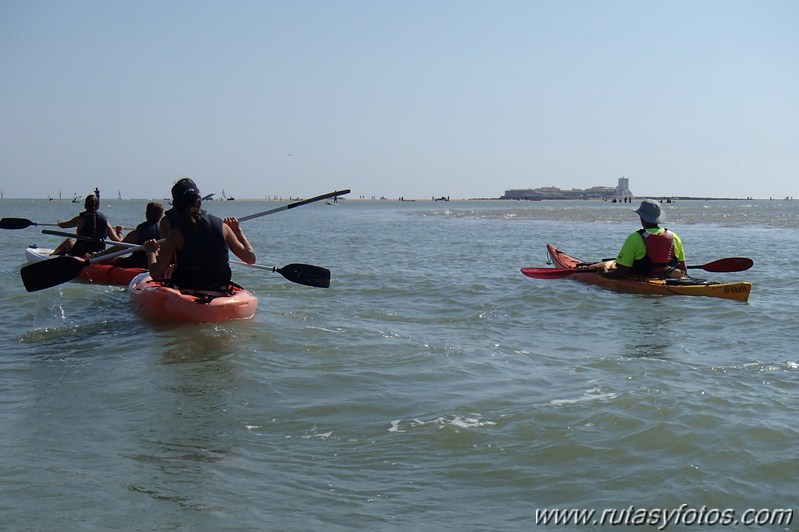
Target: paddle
295 204
731 264
305 274
52 272
88 238
63 268
19 223
728 265
22 223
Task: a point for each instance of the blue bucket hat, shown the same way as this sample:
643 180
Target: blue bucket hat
650 211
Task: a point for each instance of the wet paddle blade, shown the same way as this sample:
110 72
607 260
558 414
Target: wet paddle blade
15 223
306 274
51 272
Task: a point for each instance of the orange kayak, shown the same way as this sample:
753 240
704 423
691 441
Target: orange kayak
97 273
688 286
157 301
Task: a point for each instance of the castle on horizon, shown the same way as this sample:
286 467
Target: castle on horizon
621 190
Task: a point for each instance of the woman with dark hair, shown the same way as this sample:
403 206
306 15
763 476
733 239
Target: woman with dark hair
92 223
198 244
171 216
147 230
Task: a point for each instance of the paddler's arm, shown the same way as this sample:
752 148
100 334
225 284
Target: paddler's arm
237 242
65 224
159 256
130 238
632 249
619 272
111 231
151 248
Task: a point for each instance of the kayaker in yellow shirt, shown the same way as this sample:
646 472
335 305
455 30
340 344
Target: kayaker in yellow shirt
652 251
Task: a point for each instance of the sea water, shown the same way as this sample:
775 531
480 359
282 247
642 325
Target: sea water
431 387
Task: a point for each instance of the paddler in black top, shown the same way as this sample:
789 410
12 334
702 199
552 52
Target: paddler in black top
147 230
92 223
199 245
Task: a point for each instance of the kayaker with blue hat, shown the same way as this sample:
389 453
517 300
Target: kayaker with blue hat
199 244
652 251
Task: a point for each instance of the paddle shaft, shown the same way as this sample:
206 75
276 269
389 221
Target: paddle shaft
130 247
298 273
726 265
295 204
88 238
259 266
22 223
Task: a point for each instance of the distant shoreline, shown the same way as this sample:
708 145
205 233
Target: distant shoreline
430 200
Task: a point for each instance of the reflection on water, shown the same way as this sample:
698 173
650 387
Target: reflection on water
192 429
201 343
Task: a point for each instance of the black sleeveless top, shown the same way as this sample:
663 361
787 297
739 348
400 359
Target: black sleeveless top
95 225
138 259
202 263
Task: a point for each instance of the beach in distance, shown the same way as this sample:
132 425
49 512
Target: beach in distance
350 197
431 387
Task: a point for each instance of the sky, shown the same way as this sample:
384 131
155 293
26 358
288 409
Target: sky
409 99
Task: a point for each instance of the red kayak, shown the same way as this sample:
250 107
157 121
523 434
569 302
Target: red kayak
156 300
574 268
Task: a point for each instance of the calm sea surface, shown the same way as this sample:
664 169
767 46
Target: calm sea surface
432 387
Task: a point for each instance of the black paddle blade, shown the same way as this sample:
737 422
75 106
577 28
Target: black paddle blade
51 272
306 274
15 223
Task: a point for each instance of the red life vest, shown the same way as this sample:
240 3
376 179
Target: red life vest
659 252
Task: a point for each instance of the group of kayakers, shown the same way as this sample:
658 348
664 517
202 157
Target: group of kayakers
198 242
186 236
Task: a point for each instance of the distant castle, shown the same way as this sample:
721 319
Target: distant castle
622 190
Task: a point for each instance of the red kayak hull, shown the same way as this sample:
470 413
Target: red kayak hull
155 301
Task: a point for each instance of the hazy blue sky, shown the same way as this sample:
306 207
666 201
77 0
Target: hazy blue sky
406 98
